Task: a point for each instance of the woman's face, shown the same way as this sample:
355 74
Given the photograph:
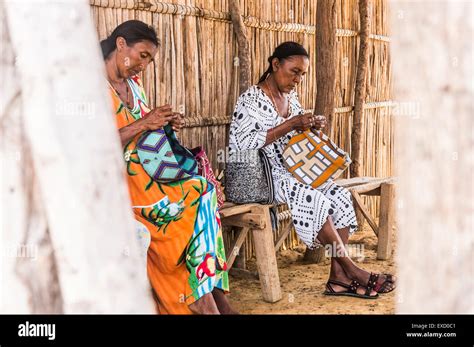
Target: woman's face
289 72
133 59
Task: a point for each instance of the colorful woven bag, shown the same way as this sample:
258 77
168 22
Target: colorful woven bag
163 158
313 158
205 170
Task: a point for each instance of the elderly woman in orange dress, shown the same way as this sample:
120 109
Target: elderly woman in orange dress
186 263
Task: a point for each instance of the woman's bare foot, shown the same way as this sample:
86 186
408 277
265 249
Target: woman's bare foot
222 302
205 305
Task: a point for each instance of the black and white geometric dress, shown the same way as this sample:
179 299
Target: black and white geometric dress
254 115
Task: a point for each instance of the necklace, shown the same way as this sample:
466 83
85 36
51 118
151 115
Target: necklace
273 100
126 96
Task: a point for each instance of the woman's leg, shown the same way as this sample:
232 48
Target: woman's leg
329 236
344 218
337 273
205 305
222 302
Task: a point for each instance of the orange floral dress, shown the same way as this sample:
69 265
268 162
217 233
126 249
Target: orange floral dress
186 257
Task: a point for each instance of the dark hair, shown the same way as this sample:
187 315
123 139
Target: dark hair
132 31
282 52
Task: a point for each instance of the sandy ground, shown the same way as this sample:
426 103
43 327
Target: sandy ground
303 284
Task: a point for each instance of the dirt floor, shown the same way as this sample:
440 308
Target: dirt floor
303 284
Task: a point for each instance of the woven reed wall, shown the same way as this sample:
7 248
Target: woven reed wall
195 67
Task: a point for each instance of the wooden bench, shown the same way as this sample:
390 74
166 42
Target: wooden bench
256 218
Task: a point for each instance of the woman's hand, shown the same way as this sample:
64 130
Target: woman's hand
307 121
177 122
319 122
158 117
302 122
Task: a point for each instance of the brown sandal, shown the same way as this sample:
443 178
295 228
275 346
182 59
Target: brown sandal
351 290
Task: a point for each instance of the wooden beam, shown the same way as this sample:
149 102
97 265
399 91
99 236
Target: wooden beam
364 183
360 85
241 258
349 182
363 188
266 258
283 235
235 248
363 209
245 220
236 209
386 221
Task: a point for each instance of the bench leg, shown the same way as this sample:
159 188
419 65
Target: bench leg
386 220
266 258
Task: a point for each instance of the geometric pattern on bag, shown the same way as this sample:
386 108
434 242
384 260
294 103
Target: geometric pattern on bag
314 159
163 158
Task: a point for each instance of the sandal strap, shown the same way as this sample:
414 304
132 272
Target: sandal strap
353 287
331 282
371 283
386 285
380 287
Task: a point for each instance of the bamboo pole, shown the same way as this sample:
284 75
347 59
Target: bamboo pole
243 43
325 79
360 86
325 59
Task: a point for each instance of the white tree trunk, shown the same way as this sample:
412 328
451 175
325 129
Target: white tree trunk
432 51
64 201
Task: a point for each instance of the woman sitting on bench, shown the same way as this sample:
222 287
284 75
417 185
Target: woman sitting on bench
186 263
266 116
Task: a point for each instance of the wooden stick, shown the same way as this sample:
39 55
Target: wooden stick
283 235
365 212
243 44
235 248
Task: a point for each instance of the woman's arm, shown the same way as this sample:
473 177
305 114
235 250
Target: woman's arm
279 131
300 123
155 119
130 131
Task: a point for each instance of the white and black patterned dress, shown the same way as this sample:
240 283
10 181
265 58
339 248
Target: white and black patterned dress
254 115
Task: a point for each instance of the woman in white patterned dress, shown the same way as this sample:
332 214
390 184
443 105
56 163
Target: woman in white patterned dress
266 116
